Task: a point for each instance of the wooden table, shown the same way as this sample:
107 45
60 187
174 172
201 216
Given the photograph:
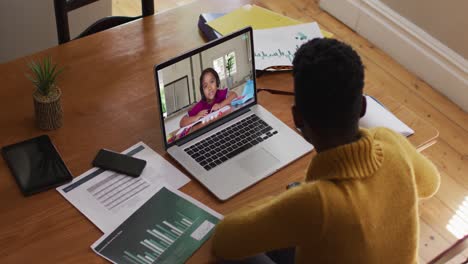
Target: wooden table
109 101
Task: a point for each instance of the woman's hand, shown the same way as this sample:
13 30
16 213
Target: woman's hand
216 107
187 120
201 114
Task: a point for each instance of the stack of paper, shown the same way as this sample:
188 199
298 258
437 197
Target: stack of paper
276 37
378 116
145 219
254 16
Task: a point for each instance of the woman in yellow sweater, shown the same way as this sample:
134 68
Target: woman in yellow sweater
359 201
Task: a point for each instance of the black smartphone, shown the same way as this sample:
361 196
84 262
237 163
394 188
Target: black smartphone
121 163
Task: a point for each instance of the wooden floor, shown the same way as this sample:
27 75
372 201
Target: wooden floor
383 74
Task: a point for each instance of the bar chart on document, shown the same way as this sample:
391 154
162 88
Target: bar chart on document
166 229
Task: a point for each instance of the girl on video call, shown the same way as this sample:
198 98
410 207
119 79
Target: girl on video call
213 98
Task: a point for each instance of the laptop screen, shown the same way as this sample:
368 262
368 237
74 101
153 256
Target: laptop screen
200 88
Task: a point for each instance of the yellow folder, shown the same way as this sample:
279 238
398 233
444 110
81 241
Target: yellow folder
255 16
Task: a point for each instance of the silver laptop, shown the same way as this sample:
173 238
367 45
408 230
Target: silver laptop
211 121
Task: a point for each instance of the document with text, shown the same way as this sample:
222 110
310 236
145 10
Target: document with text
167 229
277 46
107 198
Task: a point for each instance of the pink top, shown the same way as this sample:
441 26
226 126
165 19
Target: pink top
203 105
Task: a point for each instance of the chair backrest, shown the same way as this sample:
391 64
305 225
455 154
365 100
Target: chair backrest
457 248
62 7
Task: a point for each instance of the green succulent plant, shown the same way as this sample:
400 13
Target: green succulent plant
230 64
44 75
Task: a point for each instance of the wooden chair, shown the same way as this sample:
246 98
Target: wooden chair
62 7
451 252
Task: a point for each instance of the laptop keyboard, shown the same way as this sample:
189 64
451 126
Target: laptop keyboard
229 142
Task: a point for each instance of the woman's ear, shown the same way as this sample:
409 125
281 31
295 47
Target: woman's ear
364 106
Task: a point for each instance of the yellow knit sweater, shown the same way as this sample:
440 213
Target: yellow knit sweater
359 205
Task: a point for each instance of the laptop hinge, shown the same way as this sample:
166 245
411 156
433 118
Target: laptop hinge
213 126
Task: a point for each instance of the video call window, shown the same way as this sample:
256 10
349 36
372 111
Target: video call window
205 87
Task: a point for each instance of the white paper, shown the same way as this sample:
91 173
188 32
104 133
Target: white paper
107 198
378 116
277 46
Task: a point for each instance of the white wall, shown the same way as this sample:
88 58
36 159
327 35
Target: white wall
28 26
177 71
446 21
196 72
421 53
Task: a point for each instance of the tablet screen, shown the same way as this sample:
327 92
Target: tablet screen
36 165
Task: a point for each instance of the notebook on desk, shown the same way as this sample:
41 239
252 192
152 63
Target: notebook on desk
277 37
238 148
379 116
251 15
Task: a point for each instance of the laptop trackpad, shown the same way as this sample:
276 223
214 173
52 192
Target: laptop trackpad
258 162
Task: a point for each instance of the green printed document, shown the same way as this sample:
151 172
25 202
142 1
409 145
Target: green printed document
168 228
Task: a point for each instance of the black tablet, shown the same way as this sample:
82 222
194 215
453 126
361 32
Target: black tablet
36 165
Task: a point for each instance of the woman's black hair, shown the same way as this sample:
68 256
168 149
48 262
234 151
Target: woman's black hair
328 81
215 74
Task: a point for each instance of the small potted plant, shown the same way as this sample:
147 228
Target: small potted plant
229 67
46 96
